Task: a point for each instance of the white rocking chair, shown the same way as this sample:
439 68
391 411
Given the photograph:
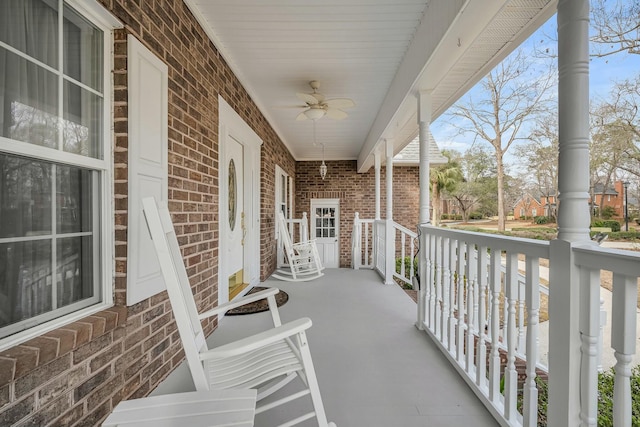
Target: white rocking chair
265 361
303 257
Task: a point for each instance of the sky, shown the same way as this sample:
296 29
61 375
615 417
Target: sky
603 72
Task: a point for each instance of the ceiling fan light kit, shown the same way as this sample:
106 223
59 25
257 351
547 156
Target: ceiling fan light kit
317 106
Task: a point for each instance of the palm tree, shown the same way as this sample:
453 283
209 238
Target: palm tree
443 178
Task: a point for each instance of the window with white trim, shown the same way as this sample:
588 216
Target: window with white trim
54 164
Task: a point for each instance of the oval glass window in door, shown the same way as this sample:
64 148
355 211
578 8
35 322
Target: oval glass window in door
233 191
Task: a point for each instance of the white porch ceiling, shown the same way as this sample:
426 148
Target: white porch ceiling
379 53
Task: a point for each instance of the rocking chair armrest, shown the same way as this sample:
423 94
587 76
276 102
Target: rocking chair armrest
258 340
223 308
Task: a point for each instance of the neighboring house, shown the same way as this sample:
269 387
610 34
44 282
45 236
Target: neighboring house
529 206
610 196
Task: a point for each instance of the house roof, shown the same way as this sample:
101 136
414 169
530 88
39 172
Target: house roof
410 155
597 189
379 53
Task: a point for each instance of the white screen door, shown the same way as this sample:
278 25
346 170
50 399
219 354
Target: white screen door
325 228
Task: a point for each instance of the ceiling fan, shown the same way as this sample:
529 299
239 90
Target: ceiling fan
317 106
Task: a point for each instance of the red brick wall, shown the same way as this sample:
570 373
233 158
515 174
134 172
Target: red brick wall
356 192
76 374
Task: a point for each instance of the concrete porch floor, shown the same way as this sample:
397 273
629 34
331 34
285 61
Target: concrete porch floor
374 367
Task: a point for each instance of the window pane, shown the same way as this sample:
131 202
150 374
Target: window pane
73 200
25 197
25 280
31 26
74 275
82 124
82 50
28 101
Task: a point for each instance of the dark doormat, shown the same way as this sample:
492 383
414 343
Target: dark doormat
260 305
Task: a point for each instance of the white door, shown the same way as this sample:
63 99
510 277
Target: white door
325 228
236 216
239 205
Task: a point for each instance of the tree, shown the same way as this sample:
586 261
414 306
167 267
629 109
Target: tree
511 95
540 157
443 178
465 196
616 27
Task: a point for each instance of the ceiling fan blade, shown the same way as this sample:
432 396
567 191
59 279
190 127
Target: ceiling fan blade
308 98
340 103
336 114
301 117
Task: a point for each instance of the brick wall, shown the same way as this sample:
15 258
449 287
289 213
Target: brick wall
356 192
76 374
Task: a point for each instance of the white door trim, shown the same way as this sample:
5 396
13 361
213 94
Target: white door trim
232 125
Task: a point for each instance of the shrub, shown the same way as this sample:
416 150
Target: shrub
541 220
475 215
605 398
612 224
407 268
608 212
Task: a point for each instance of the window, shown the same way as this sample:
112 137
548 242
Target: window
54 164
534 212
283 194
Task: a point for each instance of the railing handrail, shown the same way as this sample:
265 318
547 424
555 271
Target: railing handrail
405 230
535 248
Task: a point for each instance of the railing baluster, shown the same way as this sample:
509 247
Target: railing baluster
453 246
532 299
438 285
495 278
481 355
589 333
402 254
460 326
623 340
511 375
446 283
520 343
471 307
431 294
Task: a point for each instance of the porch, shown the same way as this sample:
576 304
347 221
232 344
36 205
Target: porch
374 367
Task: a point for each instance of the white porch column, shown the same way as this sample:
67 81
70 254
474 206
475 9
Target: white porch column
424 121
376 163
390 256
573 213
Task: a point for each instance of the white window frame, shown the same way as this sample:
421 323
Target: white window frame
287 204
103 187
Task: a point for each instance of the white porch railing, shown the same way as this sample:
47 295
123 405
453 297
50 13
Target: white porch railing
480 293
369 248
407 252
362 243
299 232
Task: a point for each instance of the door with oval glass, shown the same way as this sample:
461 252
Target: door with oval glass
236 216
325 228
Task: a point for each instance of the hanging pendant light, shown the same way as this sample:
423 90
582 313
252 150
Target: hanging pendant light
323 166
